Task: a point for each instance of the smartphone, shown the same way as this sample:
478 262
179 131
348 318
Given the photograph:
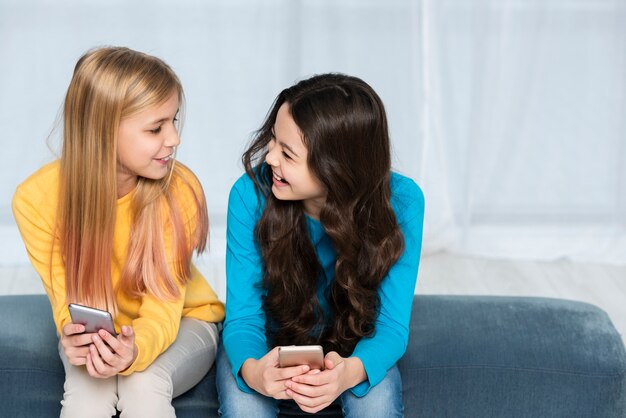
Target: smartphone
93 319
296 355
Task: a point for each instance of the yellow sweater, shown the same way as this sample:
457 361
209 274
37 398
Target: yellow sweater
154 322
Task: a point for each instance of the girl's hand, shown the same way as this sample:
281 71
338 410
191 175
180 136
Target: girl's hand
106 360
75 343
315 391
264 375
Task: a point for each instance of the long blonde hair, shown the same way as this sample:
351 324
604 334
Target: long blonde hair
108 85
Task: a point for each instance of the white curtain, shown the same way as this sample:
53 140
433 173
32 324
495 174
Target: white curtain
509 114
524 127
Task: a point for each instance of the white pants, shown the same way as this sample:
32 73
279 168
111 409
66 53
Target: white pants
148 393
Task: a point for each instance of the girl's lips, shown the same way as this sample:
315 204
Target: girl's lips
163 160
279 181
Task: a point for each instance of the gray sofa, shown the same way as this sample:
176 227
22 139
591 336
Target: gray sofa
468 356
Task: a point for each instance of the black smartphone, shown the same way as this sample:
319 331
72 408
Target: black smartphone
93 319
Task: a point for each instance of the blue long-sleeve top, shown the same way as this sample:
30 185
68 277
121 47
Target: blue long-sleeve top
244 327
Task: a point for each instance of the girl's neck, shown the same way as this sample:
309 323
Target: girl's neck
313 207
125 185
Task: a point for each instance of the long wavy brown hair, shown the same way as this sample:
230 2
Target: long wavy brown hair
344 128
110 84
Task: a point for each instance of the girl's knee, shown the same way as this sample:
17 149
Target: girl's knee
145 394
243 405
148 381
372 406
236 403
88 404
383 400
84 396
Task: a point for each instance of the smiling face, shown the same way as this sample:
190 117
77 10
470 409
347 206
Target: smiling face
146 143
287 157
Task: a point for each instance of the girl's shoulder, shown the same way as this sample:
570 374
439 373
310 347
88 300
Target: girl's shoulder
243 195
407 198
244 185
41 185
185 181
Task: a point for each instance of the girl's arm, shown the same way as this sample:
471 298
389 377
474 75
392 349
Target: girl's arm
381 351
155 329
254 368
244 328
34 208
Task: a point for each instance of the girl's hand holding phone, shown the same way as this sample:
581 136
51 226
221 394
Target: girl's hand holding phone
106 360
266 377
76 343
314 392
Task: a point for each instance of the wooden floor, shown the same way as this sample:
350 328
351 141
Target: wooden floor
599 284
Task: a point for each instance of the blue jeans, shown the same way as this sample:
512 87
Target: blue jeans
383 400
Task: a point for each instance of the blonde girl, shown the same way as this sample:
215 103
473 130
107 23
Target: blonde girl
113 225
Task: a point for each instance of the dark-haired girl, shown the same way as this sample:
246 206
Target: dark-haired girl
323 247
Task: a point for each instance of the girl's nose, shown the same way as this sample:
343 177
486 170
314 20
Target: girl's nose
172 139
271 158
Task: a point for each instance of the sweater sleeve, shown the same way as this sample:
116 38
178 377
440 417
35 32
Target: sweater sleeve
35 217
156 327
244 327
384 348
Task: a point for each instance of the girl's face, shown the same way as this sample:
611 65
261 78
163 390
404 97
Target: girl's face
146 143
287 156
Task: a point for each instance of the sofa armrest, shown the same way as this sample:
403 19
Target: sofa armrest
473 356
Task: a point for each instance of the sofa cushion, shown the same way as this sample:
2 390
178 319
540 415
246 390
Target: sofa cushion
472 356
467 356
31 370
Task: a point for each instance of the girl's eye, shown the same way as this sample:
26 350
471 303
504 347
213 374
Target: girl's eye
286 155
156 131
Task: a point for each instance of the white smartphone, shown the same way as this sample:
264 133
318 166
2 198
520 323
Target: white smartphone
297 355
93 319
